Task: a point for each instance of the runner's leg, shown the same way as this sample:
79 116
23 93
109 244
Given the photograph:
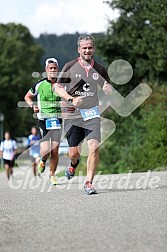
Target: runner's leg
34 168
74 154
44 150
7 168
93 158
54 158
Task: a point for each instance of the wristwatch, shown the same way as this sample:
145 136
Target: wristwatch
70 100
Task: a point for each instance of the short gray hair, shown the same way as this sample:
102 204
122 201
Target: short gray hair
85 37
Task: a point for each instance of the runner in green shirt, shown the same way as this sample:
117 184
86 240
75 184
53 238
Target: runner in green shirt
48 110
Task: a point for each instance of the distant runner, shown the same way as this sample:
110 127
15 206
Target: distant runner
34 148
8 150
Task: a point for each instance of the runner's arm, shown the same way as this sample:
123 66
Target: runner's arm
29 100
76 101
59 89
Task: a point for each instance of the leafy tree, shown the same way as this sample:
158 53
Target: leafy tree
140 140
153 151
19 57
138 36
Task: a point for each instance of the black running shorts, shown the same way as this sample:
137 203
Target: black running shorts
78 129
9 162
47 135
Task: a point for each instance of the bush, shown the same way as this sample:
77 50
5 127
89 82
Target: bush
140 140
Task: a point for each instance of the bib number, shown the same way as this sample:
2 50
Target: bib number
88 114
52 123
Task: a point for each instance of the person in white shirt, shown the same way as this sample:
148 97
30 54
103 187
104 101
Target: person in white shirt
8 149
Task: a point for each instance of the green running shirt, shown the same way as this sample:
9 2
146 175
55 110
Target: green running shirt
49 103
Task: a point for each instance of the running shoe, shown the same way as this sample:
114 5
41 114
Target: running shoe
41 167
89 189
70 170
11 176
39 175
53 180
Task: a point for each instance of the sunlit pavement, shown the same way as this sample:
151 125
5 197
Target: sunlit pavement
127 214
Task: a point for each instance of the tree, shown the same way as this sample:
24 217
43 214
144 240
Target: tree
138 36
140 140
19 57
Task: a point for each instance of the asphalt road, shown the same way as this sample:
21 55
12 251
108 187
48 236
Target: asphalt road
128 214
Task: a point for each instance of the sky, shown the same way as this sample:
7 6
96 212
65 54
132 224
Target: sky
58 16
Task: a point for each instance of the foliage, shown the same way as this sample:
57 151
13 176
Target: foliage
19 57
61 47
138 36
140 140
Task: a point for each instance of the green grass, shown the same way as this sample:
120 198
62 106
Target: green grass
60 174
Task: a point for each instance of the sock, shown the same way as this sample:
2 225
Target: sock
75 165
88 182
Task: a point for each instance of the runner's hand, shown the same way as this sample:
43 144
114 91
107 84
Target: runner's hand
107 88
77 101
35 109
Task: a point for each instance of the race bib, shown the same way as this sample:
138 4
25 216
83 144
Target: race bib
52 123
88 114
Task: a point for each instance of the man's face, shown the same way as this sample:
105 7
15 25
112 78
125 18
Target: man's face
86 50
52 70
7 136
34 131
